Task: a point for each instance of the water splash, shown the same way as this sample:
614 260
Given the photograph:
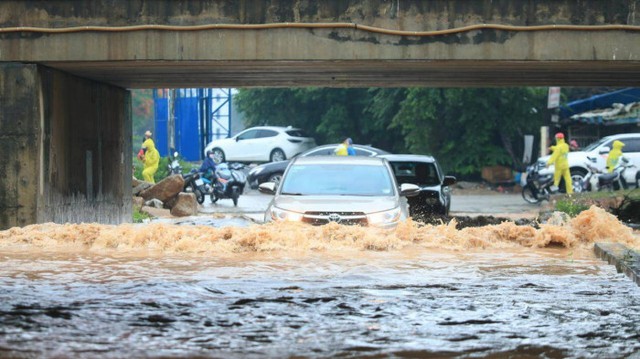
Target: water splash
590 226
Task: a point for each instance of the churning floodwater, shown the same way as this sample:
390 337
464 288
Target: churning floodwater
288 290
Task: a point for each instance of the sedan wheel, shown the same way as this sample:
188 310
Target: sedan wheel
275 178
277 155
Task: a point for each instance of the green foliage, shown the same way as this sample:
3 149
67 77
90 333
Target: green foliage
326 113
139 217
142 111
466 129
572 205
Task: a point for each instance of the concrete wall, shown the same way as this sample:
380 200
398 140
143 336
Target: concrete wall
67 142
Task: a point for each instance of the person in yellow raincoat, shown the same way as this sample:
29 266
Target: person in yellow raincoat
345 148
614 155
559 158
151 158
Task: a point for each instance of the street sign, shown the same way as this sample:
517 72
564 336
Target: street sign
553 100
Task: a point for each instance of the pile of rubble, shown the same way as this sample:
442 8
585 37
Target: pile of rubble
164 194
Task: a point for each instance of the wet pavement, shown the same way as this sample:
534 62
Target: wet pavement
253 204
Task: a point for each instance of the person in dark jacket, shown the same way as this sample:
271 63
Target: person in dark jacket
208 167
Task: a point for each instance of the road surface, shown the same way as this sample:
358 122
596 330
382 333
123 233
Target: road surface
253 205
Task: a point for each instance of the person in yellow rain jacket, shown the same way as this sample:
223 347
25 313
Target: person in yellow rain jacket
345 148
614 155
150 158
559 158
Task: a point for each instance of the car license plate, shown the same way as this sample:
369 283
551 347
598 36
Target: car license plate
199 182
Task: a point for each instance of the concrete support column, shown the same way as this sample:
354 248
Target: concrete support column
67 145
20 137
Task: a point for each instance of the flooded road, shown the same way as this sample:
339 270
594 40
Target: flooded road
161 290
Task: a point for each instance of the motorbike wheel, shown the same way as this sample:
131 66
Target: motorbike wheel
199 196
214 198
579 185
235 199
577 179
529 195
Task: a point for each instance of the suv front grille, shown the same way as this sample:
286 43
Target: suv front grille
346 218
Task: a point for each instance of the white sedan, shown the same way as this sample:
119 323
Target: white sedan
261 144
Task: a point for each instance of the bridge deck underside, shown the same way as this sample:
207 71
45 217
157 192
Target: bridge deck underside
388 73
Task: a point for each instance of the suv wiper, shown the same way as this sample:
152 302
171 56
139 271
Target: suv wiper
291 193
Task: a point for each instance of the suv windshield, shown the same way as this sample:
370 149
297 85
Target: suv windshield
337 179
593 145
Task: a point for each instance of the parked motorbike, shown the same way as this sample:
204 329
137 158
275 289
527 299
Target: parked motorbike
195 183
598 180
616 179
230 182
590 180
174 166
537 186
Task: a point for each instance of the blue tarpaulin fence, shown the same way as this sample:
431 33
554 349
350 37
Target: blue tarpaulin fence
187 134
161 111
576 111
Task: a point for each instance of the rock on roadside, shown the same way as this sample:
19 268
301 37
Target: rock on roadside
185 205
165 189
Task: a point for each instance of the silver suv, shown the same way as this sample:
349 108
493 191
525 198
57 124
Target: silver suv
347 190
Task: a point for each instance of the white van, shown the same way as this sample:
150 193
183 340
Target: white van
596 154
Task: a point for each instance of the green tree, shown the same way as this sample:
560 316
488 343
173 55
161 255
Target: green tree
466 129
142 115
329 114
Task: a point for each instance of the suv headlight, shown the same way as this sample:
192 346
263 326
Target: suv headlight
278 214
385 217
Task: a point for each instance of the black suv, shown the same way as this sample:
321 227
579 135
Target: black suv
424 171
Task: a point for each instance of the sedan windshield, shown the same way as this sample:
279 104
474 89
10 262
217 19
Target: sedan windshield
332 179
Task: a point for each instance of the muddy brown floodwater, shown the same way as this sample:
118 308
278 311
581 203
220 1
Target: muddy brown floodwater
285 290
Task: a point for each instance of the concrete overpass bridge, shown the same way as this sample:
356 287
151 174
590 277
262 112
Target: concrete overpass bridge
66 68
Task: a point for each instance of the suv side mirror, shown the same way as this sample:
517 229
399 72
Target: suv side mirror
449 180
409 190
604 150
267 188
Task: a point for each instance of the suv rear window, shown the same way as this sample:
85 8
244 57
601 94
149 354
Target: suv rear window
296 133
420 173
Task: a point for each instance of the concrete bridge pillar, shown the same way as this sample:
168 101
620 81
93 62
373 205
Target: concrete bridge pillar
65 145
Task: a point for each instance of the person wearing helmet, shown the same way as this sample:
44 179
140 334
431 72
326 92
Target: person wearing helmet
150 157
208 167
614 155
573 145
345 148
559 158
